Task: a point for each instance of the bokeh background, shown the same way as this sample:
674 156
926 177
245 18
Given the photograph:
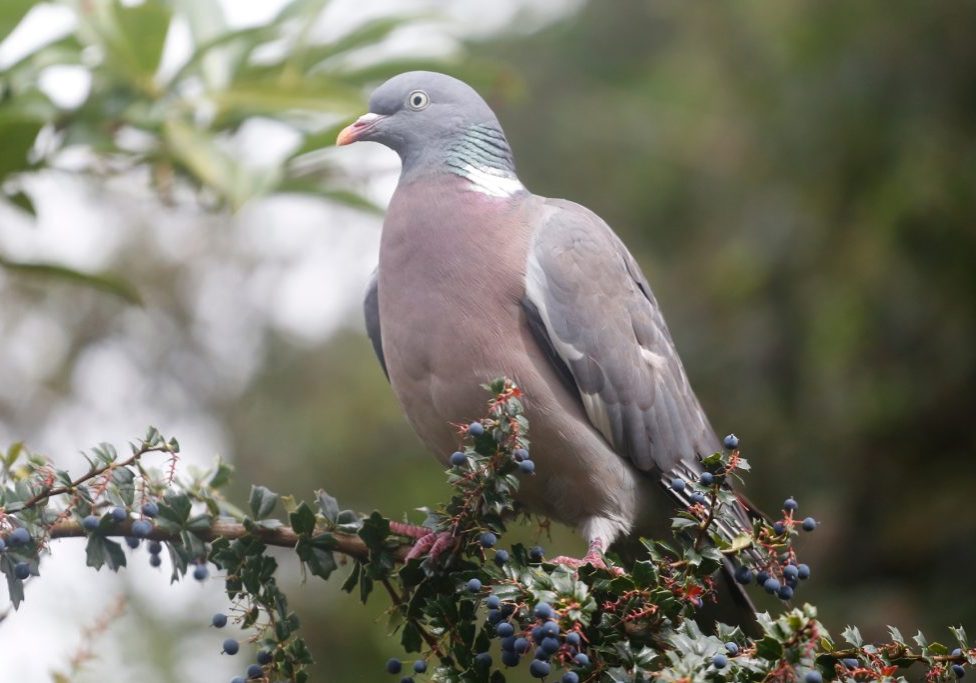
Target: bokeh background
180 247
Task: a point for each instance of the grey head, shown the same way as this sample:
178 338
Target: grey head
434 122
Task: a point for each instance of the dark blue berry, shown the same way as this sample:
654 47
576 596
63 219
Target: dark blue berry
731 442
527 467
458 458
393 666
119 514
474 585
809 524
570 677
494 616
539 668
543 611
141 528
678 484
406 679
132 542
200 572
698 498
549 645
743 575
21 570
779 528
420 666
957 652
508 643
762 577
790 504
522 645
150 509
493 602
219 620
520 454
90 523
482 660
720 661
732 648
536 553
791 571
581 660
851 663
231 646
19 536
537 635
3 545
785 593
510 658
254 671
550 629
707 479
812 677
264 657
155 560
488 539
501 557
573 639
771 585
958 670
505 629
155 547
476 429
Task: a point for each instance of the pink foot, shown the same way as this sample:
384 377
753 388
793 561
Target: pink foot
593 557
409 530
434 544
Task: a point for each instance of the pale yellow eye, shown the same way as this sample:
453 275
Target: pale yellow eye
418 100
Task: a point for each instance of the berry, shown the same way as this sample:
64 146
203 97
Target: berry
231 646
505 629
771 585
3 545
200 572
420 666
508 643
155 547
779 528
493 602
21 570
90 523
393 666
520 454
482 660
527 467
698 498
141 528
762 577
720 661
809 524
476 429
522 645
543 611
219 620
119 514
264 657
474 585
790 504
155 560
732 648
254 671
132 542
743 575
573 639
549 645
570 677
678 484
406 679
19 536
488 539
539 668
510 658
812 677
958 670
957 652
851 663
494 616
731 442
458 458
581 660
150 509
550 629
501 557
785 593
536 553
707 479
237 679
791 571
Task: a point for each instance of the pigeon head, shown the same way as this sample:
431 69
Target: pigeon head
424 116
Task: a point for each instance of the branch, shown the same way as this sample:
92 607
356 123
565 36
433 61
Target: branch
281 537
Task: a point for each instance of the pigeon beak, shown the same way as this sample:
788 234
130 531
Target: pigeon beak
355 132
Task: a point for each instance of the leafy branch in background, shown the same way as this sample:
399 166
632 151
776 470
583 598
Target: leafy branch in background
473 609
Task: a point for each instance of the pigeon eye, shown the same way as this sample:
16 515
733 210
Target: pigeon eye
418 100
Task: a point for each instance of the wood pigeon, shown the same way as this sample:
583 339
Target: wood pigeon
479 278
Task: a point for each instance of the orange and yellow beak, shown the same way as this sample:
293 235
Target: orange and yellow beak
358 129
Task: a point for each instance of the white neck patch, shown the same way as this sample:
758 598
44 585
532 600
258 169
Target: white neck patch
491 181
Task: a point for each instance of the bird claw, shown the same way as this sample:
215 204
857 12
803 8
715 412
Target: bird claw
593 557
433 544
